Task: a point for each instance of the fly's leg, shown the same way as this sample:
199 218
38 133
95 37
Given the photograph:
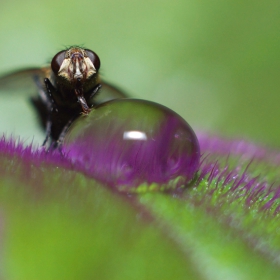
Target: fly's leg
51 90
62 134
95 90
42 93
48 131
44 104
50 104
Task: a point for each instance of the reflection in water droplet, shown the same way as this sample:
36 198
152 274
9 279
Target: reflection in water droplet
134 135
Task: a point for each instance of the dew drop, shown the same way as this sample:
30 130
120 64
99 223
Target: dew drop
134 145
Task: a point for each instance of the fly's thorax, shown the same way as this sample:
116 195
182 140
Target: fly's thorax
65 94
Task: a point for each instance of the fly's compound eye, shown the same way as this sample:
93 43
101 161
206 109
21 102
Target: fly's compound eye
94 59
57 61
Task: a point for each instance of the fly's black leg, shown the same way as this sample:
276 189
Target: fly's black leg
41 91
51 90
95 90
44 104
63 133
50 103
48 131
44 96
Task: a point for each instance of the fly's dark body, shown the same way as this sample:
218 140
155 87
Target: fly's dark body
68 88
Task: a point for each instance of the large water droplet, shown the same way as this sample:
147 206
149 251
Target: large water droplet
134 145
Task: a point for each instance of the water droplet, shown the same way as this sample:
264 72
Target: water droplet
134 145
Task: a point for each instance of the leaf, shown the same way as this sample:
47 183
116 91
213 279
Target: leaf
59 224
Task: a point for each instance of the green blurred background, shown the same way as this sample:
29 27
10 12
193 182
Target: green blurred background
214 62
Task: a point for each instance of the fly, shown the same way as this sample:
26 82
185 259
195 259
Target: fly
70 86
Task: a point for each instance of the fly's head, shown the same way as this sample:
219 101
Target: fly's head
75 66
